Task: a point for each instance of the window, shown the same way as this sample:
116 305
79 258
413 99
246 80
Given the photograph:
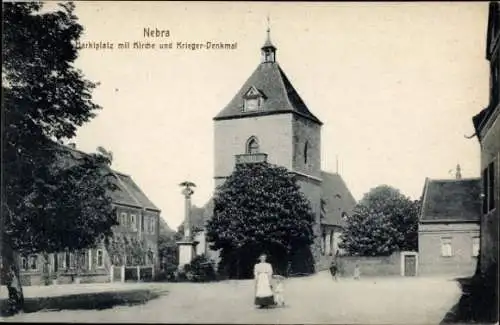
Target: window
306 148
446 249
251 104
66 260
332 242
489 188
72 260
24 263
323 244
133 222
252 100
33 262
475 246
123 219
252 146
56 262
100 258
90 259
143 219
151 225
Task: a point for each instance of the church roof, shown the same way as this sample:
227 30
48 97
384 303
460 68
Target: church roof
337 198
281 96
451 200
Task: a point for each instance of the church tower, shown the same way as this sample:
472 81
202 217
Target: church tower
268 121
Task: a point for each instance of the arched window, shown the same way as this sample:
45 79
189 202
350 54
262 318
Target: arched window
306 149
252 145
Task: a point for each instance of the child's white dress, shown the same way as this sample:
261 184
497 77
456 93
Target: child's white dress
279 294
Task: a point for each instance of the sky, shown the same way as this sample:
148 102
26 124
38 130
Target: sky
396 85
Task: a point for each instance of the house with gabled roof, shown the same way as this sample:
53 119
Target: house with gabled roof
268 121
138 219
448 229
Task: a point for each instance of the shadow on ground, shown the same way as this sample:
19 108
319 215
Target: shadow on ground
85 301
477 304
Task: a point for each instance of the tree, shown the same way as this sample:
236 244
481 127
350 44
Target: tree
168 251
53 198
260 208
382 222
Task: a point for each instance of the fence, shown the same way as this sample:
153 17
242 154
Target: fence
132 273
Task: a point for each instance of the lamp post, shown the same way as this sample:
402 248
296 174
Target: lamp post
187 244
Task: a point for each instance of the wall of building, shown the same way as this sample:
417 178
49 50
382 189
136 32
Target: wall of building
461 263
490 151
306 131
312 191
371 266
95 263
274 133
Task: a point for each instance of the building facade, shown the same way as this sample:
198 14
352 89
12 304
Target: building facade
138 220
487 126
268 121
448 230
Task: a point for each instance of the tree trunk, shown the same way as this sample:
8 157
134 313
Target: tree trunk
12 280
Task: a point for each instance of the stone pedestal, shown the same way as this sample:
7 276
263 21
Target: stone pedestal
187 251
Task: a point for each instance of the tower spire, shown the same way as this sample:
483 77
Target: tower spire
268 49
268 29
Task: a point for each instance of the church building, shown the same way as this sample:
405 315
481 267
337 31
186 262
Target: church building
268 121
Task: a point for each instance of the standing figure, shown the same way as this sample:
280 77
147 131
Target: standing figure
263 273
334 269
279 290
357 272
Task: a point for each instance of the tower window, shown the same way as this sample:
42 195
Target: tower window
306 149
252 145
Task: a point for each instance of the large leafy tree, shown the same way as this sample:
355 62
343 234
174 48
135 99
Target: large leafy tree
261 208
53 198
384 221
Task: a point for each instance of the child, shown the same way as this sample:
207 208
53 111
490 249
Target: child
334 269
357 272
279 290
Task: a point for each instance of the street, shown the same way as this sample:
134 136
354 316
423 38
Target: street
316 299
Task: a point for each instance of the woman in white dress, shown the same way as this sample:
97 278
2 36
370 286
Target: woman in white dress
263 273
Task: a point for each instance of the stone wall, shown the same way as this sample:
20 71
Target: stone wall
371 266
274 134
306 131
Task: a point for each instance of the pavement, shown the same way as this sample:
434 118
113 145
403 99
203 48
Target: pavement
316 299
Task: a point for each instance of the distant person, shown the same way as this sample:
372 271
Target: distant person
334 268
263 272
357 272
279 290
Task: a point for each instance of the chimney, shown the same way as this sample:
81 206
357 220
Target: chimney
458 173
72 145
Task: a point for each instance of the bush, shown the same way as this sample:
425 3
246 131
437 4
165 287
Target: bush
200 269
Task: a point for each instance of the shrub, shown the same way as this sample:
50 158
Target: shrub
200 269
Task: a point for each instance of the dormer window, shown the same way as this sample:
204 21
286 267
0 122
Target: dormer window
253 100
252 104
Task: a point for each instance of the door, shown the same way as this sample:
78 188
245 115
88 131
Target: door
410 265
